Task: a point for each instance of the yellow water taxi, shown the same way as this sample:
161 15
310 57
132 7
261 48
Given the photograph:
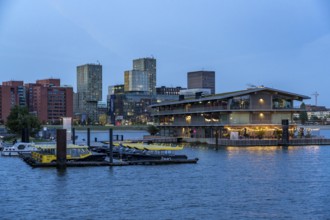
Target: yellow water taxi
47 154
151 147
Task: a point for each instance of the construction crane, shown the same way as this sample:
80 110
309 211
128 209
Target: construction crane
316 95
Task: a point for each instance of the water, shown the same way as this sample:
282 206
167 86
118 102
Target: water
232 183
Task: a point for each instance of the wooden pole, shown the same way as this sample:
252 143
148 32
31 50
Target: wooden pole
61 148
216 138
110 145
88 137
285 132
73 136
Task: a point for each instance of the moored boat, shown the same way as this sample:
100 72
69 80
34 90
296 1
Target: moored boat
47 154
20 147
141 151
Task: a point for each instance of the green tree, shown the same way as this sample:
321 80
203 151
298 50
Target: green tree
103 119
20 118
152 130
303 114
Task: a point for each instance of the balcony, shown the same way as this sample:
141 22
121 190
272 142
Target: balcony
219 109
189 110
207 124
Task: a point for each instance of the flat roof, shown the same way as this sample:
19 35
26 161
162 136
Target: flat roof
295 96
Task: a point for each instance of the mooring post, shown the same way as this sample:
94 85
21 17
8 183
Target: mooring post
61 148
122 137
110 145
285 132
216 138
88 137
73 136
25 135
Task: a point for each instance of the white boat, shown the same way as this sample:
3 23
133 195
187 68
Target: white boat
20 147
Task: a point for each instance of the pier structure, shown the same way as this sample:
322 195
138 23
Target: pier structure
62 163
248 117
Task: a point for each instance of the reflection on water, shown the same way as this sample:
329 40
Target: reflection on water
267 149
61 171
229 183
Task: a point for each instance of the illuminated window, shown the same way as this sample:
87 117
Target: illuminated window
188 119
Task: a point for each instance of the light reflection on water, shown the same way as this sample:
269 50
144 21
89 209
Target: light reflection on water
228 183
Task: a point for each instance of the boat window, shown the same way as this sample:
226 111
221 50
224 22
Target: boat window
75 152
21 147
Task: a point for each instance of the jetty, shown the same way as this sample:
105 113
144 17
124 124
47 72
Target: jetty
29 160
62 162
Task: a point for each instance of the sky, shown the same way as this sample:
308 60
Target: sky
279 44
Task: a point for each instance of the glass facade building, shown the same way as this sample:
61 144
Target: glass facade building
147 65
89 91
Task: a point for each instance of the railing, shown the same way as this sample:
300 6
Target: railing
270 142
190 110
200 123
216 109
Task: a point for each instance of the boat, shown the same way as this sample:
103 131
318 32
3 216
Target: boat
47 154
141 151
18 148
151 147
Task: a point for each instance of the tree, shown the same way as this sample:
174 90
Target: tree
20 118
152 130
103 119
303 114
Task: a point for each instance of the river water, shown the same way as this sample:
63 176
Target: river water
229 183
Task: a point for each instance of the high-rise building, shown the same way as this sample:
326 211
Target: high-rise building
45 98
201 80
12 94
115 102
136 81
147 65
89 91
49 101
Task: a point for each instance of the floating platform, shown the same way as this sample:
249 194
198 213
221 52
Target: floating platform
27 158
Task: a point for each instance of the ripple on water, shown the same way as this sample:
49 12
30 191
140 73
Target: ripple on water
240 183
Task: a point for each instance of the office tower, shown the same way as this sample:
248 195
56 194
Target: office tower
147 65
136 81
201 80
115 102
89 91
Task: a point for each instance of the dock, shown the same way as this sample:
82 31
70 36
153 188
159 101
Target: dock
27 158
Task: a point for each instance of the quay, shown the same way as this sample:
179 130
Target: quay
62 162
262 142
243 142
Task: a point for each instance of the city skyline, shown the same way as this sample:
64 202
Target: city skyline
278 44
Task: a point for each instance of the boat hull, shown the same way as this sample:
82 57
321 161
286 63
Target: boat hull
9 153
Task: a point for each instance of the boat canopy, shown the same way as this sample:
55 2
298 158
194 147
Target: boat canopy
151 147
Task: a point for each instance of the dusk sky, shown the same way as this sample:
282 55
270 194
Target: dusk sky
282 44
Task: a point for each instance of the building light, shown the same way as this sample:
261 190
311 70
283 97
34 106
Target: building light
188 119
261 101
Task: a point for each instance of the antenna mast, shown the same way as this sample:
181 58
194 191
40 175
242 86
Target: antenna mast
316 95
